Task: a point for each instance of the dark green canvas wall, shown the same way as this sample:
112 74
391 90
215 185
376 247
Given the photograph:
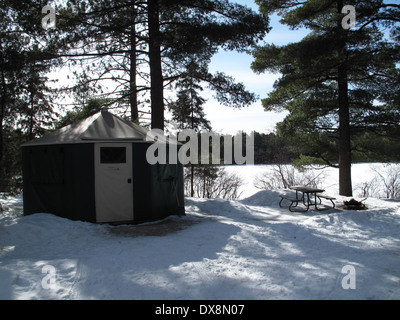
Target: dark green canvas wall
60 179
153 187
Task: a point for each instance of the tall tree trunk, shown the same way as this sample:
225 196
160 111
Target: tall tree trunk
2 115
345 186
192 180
156 77
31 115
2 108
133 70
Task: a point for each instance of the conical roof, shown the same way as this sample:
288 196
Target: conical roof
102 126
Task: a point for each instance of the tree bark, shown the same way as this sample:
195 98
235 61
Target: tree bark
132 72
2 116
345 185
156 77
192 180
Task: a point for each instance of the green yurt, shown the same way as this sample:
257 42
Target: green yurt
96 170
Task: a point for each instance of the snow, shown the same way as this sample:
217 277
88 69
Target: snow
244 249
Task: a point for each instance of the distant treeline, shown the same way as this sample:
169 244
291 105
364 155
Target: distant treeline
270 148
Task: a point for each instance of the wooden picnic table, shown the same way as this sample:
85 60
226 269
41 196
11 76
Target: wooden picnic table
307 193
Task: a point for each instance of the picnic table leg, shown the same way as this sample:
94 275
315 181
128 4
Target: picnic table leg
316 208
331 200
308 200
297 197
291 205
316 202
280 203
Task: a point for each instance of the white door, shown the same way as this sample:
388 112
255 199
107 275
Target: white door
113 182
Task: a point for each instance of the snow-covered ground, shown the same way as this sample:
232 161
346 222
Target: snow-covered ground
244 249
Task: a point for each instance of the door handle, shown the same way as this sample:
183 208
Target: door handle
129 180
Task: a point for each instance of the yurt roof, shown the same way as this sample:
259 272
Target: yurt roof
102 126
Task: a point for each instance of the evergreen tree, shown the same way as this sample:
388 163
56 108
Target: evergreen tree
26 56
112 38
187 111
336 82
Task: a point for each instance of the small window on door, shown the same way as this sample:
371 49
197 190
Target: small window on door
112 155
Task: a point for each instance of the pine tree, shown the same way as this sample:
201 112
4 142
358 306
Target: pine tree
110 37
26 56
335 81
188 113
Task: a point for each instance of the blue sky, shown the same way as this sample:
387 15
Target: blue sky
229 120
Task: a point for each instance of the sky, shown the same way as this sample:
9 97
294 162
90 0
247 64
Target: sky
252 118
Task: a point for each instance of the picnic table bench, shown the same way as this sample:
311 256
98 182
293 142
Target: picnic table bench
324 196
291 199
307 193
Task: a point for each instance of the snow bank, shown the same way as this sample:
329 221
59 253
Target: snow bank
245 249
361 172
